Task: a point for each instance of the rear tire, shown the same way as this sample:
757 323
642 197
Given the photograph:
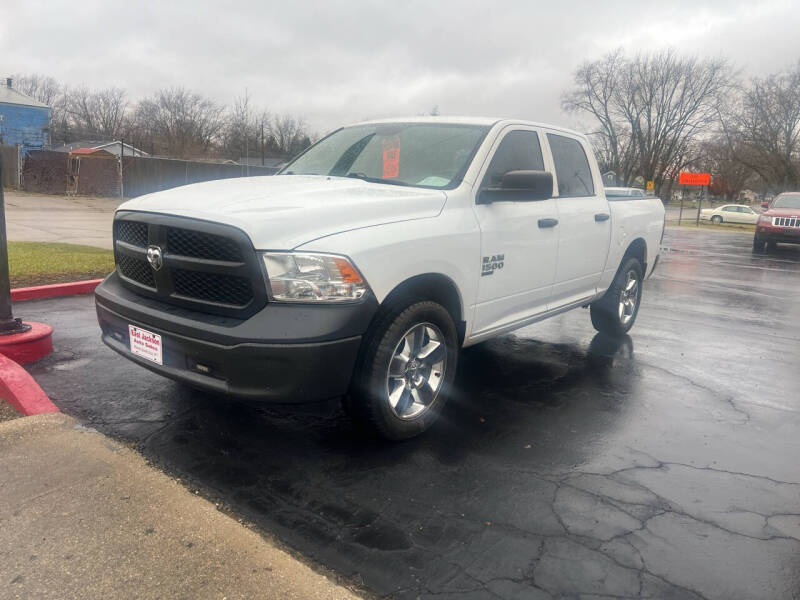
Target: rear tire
405 370
616 311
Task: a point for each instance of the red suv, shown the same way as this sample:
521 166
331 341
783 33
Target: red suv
780 222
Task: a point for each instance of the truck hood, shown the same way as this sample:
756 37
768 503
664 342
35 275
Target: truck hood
782 212
286 211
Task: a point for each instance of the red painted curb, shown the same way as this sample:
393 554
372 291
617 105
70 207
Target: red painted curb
24 348
20 390
73 288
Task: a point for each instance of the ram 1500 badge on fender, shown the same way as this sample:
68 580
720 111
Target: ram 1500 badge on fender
367 262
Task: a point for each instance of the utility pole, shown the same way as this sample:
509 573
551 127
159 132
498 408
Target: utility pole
21 342
121 178
699 204
262 139
8 324
246 125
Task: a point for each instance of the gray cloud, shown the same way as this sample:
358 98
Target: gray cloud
336 62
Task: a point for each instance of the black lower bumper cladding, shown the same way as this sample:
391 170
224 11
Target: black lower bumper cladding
284 353
779 237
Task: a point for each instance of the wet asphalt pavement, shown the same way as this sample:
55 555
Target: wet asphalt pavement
664 465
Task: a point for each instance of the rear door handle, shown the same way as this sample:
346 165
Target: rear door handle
544 223
602 217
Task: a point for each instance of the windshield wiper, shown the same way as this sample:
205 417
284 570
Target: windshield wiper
364 177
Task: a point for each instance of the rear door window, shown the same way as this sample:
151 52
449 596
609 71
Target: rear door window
572 167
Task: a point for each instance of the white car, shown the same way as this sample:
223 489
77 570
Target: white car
624 192
368 261
730 213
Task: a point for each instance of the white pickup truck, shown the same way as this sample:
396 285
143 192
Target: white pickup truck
365 264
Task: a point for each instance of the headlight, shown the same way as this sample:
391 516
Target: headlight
764 219
302 277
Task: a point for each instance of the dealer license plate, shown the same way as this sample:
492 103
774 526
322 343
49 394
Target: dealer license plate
145 344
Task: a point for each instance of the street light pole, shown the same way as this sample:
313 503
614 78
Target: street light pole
8 324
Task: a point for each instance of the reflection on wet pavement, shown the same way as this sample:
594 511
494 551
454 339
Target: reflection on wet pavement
662 465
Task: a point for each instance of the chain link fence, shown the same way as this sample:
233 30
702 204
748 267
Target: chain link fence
51 172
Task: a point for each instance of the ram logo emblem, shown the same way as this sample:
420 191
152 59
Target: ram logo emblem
489 264
154 257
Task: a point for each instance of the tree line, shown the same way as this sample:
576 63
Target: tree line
653 116
657 114
173 122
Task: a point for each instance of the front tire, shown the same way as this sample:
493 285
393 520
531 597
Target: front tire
716 219
758 244
616 311
405 370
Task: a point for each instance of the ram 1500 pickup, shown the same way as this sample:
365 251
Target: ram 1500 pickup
361 268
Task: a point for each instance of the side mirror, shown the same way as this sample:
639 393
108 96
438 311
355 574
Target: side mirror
765 205
520 186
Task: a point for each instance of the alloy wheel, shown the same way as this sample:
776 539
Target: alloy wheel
628 298
416 371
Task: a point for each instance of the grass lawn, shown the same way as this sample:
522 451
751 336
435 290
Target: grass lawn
39 263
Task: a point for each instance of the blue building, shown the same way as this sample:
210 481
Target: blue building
23 120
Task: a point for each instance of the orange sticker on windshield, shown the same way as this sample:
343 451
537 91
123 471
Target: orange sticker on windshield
391 157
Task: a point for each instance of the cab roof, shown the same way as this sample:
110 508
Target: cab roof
485 121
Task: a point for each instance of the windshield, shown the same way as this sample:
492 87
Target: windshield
429 155
787 201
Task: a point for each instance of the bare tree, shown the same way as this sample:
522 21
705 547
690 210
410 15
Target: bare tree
762 129
39 87
60 121
730 175
264 136
289 135
649 109
243 128
174 122
179 123
98 114
596 93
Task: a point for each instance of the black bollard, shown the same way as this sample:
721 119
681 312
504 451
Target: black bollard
8 324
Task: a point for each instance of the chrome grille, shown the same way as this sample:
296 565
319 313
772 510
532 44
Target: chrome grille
205 266
786 221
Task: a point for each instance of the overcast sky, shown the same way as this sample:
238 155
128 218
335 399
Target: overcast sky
337 62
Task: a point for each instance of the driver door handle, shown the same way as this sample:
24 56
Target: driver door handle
602 217
543 223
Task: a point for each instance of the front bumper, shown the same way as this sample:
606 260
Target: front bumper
283 353
783 235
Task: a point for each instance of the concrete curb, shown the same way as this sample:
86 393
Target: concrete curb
72 288
28 346
20 390
84 516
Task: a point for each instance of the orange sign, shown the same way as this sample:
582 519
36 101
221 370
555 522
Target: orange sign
695 178
391 157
